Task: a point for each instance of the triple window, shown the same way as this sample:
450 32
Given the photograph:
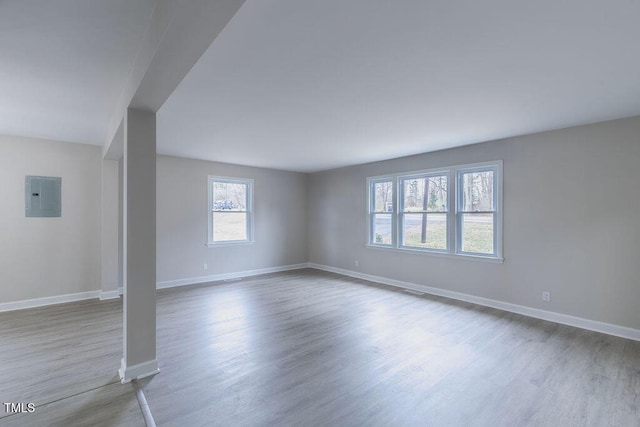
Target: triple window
455 210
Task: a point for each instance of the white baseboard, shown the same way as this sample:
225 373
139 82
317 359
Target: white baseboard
59 299
137 372
565 319
592 325
109 295
40 302
227 276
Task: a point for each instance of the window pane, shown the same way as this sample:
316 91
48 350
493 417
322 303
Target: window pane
425 231
425 194
229 226
477 233
229 196
477 191
382 229
383 196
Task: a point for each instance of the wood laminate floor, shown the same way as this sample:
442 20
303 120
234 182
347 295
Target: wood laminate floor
314 348
64 359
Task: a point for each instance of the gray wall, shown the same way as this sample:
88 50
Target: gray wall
42 257
571 210
110 260
280 221
571 223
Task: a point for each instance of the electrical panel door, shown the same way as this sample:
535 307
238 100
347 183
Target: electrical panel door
43 196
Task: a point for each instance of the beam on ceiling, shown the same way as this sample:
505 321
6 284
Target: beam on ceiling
179 32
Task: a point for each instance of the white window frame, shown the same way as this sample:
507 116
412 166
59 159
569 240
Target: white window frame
405 177
249 210
497 207
454 212
371 212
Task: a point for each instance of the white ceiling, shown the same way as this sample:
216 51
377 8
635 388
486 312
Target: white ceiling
309 85
63 64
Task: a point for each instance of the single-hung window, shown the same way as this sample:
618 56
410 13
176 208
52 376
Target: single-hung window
477 218
423 215
230 210
381 212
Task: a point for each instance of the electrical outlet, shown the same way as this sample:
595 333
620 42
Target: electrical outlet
546 296
205 266
356 263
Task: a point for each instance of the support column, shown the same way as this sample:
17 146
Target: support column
139 229
110 229
121 224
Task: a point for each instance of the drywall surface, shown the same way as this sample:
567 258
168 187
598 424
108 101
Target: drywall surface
280 220
571 223
110 237
42 257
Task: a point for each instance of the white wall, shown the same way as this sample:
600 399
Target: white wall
41 257
571 223
280 220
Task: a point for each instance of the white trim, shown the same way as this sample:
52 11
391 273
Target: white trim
227 276
438 170
461 256
371 212
61 299
137 372
40 302
248 210
453 215
230 243
565 319
497 168
109 295
400 244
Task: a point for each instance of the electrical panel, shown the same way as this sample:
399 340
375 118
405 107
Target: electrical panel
43 196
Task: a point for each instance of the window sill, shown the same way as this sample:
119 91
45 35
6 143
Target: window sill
220 244
470 257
